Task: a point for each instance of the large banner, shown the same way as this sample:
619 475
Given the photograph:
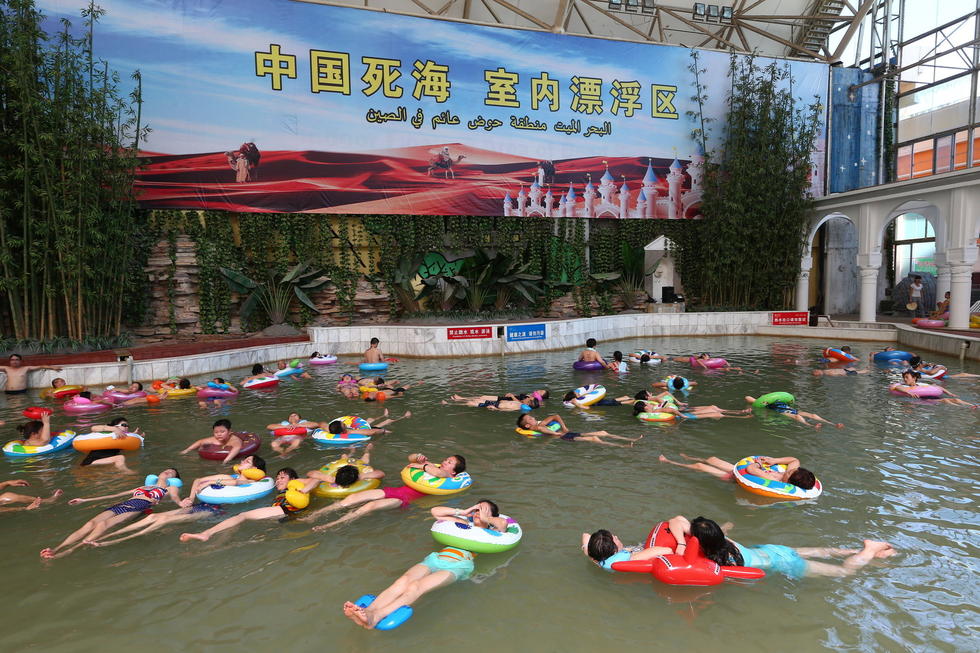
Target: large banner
272 105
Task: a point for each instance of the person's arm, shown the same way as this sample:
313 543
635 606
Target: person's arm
679 527
652 552
75 502
235 448
945 391
194 445
273 427
309 484
174 493
904 389
46 427
17 482
445 513
435 470
31 368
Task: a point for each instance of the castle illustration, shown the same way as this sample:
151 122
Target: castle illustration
655 198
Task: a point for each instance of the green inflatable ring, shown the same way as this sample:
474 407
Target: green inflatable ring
294 363
773 397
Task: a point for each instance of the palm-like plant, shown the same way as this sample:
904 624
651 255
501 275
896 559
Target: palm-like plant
276 296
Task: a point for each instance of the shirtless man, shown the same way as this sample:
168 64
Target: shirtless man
221 436
840 371
590 355
16 371
373 353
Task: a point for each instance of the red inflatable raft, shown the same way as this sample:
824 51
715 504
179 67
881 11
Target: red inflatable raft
692 568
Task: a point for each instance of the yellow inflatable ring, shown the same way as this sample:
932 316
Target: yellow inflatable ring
417 479
178 392
334 491
63 392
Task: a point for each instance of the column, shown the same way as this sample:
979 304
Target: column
942 281
869 265
803 285
959 304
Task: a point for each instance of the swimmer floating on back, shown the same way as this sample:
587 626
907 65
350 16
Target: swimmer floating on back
725 471
529 423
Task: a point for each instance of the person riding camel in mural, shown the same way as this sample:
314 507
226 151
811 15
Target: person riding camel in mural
443 160
244 161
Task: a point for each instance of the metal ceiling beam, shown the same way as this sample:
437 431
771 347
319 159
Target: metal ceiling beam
423 7
560 13
444 8
613 17
859 15
786 42
699 28
523 14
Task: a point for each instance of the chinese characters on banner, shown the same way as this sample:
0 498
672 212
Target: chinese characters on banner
469 333
791 317
520 332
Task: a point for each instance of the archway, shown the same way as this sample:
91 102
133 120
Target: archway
912 241
832 286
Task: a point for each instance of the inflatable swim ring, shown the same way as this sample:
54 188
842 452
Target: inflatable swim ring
261 382
36 412
118 397
217 391
325 437
769 488
893 355
289 371
551 426
710 363
656 417
931 324
639 353
394 620
334 491
417 479
373 367
287 430
80 405
935 372
64 392
587 365
99 441
833 353
669 381
177 392
692 568
323 360
218 494
923 391
250 444
589 395
59 442
773 397
477 540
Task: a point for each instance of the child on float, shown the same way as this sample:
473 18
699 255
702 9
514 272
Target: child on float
725 471
617 364
438 569
219 384
660 405
674 384
250 469
387 498
258 372
840 371
349 473
373 353
590 355
292 497
491 403
337 427
540 395
281 365
143 499
348 386
529 423
37 432
792 562
576 400
910 380
893 362
221 436
285 444
647 358
604 548
9 498
118 428
699 361
916 364
785 409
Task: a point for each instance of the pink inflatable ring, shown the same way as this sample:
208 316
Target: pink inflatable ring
920 391
710 363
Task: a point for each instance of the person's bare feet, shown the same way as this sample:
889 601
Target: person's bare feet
56 495
444 402
367 448
662 458
408 413
839 425
385 414
200 537
456 397
36 503
686 457
817 426
360 617
47 554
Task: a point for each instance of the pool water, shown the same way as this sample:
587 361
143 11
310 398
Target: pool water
900 470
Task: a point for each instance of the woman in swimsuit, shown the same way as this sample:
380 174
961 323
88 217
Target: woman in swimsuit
285 505
528 423
438 569
391 497
725 471
143 499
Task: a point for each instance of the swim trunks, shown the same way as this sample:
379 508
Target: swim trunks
132 505
689 415
571 436
782 407
775 558
846 371
22 391
92 456
458 562
403 493
207 507
492 404
607 402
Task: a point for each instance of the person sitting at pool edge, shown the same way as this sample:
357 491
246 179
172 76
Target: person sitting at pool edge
436 570
590 355
725 471
221 436
373 353
390 497
528 423
292 496
795 414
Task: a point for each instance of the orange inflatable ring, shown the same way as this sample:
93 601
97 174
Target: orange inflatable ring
98 441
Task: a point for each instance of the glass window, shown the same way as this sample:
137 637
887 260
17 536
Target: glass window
933 110
944 153
959 149
922 158
910 226
922 255
976 147
904 168
903 261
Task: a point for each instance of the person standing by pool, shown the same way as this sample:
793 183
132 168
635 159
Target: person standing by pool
390 497
915 296
16 373
373 353
438 569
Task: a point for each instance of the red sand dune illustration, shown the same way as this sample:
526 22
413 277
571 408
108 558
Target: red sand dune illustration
390 181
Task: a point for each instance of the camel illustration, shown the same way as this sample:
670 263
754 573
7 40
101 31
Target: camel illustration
444 161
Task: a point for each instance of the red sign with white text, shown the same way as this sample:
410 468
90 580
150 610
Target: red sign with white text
469 333
792 317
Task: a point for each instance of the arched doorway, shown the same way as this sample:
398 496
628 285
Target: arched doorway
834 287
